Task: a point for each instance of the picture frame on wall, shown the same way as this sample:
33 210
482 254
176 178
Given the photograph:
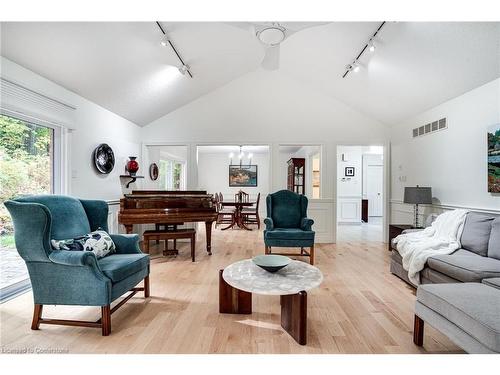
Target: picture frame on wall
494 158
349 171
243 175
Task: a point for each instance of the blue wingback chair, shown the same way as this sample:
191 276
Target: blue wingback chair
61 277
287 224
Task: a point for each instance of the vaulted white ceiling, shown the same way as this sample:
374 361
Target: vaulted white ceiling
122 67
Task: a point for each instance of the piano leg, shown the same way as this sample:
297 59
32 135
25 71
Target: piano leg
208 227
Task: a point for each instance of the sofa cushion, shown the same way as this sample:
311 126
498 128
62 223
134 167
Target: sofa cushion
119 266
289 234
473 307
494 243
465 266
476 233
495 282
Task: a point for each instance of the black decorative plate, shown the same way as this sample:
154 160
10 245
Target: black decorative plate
104 158
153 171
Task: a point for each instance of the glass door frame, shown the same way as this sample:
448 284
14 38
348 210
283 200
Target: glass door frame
59 183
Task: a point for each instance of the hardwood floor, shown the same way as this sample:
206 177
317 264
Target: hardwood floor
359 308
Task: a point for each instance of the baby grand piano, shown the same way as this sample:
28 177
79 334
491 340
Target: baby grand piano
168 207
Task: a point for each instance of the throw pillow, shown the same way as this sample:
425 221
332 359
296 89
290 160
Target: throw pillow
99 242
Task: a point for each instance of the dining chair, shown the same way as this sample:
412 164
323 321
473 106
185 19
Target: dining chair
251 214
241 196
224 215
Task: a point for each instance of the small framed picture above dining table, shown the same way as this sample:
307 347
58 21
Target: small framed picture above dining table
242 175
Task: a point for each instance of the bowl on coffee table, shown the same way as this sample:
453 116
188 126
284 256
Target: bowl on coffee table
271 263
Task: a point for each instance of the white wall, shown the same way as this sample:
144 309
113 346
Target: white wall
269 108
91 125
452 161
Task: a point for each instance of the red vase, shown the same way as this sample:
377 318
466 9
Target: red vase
132 165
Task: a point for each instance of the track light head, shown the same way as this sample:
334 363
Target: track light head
356 67
183 69
164 40
371 46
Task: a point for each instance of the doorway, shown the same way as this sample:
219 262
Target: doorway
360 193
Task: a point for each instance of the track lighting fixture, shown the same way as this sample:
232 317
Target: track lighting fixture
166 41
370 46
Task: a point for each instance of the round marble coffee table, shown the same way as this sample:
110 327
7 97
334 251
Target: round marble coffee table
239 280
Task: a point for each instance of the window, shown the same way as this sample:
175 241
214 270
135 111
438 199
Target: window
26 167
172 175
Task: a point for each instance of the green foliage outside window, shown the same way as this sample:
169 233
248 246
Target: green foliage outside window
25 166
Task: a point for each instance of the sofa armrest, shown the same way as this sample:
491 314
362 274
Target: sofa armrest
73 258
306 224
411 231
126 243
269 223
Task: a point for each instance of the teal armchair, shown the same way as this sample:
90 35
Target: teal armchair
61 277
287 224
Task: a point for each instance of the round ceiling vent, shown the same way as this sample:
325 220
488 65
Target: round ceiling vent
272 35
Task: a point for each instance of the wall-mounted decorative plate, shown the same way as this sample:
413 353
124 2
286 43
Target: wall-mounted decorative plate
104 158
153 171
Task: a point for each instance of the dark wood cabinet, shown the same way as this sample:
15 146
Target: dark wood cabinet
296 175
395 230
364 210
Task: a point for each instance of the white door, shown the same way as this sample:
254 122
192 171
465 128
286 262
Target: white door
374 186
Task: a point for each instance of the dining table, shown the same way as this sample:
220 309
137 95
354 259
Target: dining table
237 218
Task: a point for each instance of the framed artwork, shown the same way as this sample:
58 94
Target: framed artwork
242 175
494 158
349 171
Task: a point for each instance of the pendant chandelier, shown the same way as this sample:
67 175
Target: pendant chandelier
241 157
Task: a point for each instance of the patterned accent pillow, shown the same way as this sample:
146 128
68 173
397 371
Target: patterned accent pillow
99 242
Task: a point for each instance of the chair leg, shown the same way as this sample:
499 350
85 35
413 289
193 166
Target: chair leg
311 255
418 331
106 320
37 315
266 251
146 287
258 221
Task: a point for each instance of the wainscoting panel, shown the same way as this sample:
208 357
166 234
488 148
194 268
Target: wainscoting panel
322 211
349 210
113 226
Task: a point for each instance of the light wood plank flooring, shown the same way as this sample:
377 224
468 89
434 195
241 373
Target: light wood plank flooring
359 308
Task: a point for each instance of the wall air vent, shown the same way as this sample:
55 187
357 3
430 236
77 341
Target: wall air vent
430 128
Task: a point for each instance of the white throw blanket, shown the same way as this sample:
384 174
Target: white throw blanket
442 237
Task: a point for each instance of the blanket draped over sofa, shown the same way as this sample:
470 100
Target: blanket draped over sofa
441 238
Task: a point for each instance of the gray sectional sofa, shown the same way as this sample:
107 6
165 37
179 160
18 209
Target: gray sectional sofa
478 259
464 302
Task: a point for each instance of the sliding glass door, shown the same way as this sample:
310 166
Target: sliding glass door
26 167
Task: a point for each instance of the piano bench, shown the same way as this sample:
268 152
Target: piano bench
157 235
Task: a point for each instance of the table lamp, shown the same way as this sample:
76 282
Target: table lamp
417 195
